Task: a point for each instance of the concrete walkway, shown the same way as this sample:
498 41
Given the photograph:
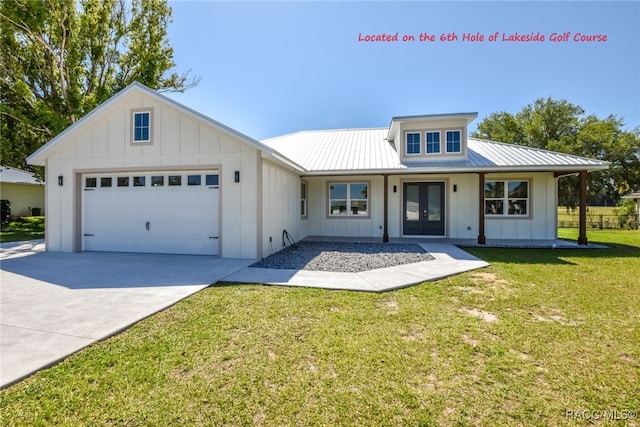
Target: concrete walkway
448 260
54 304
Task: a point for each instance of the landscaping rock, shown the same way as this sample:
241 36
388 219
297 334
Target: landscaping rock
345 257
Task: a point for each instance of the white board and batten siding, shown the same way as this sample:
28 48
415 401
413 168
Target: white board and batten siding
540 223
280 207
182 144
320 223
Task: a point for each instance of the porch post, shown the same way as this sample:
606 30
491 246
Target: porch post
481 237
385 232
582 189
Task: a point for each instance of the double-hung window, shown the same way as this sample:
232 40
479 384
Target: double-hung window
413 143
506 198
433 142
453 141
141 127
349 199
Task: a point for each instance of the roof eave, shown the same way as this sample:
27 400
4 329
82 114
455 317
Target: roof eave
39 156
285 161
21 183
569 169
395 121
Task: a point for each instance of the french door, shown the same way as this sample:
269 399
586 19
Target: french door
423 209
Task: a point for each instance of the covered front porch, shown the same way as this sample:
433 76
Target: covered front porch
502 209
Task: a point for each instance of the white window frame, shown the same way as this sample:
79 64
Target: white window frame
304 211
446 148
134 113
349 210
425 142
406 143
505 200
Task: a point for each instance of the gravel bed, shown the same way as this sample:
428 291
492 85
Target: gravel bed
344 257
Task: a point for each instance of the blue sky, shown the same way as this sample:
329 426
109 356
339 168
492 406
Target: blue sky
272 68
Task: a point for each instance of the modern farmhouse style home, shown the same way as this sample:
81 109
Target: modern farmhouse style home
143 173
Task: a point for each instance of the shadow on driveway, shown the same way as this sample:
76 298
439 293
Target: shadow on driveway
54 304
98 270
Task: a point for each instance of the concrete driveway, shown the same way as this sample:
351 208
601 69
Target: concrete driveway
54 304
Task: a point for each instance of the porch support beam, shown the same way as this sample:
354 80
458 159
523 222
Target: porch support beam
385 225
481 237
582 191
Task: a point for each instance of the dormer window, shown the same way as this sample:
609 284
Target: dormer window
453 141
431 137
433 142
413 143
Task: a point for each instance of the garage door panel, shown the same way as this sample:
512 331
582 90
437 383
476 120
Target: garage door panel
152 244
153 219
156 244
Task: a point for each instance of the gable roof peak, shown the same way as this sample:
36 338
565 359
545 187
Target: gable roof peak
40 155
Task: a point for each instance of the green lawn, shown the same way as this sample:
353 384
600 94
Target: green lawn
566 337
27 228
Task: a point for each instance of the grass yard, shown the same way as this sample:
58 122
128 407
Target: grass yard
27 228
537 334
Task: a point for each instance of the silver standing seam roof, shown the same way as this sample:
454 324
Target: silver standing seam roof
361 151
351 151
17 176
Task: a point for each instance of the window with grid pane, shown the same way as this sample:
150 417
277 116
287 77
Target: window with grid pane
142 126
349 199
433 142
413 143
506 198
453 141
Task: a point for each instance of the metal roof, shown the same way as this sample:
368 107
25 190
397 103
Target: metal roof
361 151
334 150
635 195
367 151
18 176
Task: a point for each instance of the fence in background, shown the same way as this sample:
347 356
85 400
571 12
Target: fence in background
601 221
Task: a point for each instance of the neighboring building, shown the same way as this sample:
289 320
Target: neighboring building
142 173
23 190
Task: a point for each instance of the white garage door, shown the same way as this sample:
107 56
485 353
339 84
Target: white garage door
151 212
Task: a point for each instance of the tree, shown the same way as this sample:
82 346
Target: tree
62 58
561 126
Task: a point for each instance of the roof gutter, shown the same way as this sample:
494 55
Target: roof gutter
272 154
568 170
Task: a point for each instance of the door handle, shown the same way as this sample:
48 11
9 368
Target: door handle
147 225
424 212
